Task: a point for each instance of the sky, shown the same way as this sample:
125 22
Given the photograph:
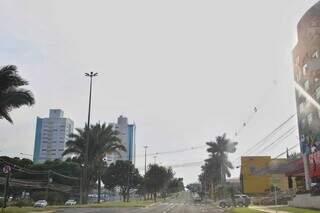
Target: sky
183 71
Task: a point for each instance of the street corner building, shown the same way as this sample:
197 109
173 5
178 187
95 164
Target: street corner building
306 63
51 136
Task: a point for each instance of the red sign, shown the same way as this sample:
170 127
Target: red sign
314 162
6 169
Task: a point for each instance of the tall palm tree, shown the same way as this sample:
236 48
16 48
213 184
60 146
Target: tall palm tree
103 140
11 96
219 149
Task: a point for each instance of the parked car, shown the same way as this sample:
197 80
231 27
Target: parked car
40 204
241 200
237 200
70 203
225 203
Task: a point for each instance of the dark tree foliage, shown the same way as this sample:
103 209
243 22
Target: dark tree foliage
25 170
157 178
103 140
122 174
11 95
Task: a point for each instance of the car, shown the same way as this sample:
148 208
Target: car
70 202
241 200
236 200
40 204
196 198
225 203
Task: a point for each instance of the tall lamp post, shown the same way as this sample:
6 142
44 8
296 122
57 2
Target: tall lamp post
85 179
145 171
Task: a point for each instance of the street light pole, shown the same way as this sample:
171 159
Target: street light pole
145 159
85 179
155 159
145 171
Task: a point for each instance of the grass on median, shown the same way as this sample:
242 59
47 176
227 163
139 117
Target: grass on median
242 210
27 210
107 204
296 210
117 204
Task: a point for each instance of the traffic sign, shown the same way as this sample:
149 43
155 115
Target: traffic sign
6 169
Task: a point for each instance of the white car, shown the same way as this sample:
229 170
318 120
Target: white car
70 203
40 203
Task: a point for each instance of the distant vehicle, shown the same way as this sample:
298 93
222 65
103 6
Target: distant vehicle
225 203
70 203
40 204
242 200
196 198
237 200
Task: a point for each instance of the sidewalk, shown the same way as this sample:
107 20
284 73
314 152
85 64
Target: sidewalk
267 209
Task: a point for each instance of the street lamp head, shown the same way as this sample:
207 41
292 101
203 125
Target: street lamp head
91 74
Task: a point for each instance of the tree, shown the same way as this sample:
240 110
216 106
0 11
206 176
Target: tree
194 188
175 185
156 178
218 151
103 140
11 96
122 174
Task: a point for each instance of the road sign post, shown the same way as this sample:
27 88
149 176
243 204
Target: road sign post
6 170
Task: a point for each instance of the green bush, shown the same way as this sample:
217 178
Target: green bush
22 203
54 198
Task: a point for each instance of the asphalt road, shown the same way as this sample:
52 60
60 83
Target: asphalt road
182 204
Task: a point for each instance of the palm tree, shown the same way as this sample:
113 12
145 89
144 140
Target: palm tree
219 150
103 140
11 96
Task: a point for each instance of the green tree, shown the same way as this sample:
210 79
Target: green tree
11 96
218 152
156 179
194 188
175 185
103 140
122 174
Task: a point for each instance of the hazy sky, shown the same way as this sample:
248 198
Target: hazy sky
183 71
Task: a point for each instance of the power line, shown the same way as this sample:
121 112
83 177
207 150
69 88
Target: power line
32 172
286 151
279 139
274 131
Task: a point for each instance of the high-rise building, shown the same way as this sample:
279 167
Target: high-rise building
52 133
127 135
306 63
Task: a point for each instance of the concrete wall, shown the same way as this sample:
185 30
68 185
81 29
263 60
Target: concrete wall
305 201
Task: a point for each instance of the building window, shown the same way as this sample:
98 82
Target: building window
318 93
298 76
315 54
306 85
309 118
297 60
304 69
301 107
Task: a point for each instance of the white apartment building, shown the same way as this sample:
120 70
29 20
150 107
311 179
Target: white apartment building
52 133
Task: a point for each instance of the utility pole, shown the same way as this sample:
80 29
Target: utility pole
145 159
81 184
48 184
85 179
145 171
154 159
